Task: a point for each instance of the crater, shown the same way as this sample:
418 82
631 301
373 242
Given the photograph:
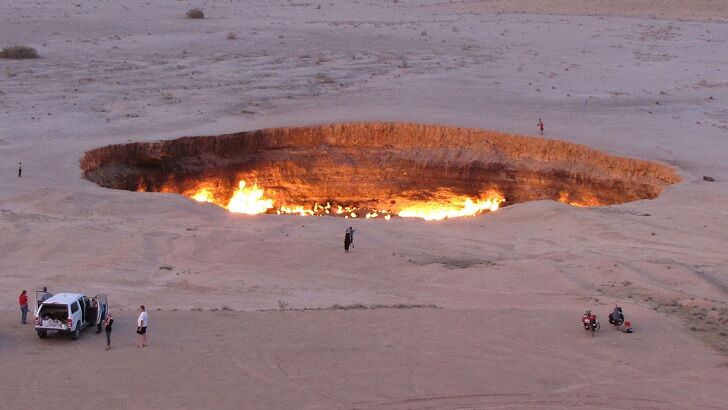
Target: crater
375 170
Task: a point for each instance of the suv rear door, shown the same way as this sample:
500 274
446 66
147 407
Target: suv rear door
83 304
102 301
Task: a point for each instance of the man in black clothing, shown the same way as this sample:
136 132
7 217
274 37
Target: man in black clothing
347 241
107 327
351 235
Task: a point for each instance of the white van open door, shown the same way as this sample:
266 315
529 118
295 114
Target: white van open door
102 301
40 297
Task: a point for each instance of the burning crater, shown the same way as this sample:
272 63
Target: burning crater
375 170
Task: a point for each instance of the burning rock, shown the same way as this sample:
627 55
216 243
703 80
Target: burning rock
375 170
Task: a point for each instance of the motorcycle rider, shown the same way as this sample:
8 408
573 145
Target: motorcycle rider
617 316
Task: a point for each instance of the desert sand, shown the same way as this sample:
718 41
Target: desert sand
476 312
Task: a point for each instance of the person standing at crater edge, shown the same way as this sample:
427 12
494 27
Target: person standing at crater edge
20 169
540 126
347 241
351 235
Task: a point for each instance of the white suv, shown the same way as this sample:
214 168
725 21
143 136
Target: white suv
68 313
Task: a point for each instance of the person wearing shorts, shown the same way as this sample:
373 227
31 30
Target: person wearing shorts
142 323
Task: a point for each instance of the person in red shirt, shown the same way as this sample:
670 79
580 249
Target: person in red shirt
23 301
540 126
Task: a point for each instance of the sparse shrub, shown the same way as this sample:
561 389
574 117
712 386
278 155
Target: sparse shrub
232 36
19 52
324 78
282 305
195 14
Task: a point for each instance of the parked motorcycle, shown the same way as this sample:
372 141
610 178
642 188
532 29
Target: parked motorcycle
590 322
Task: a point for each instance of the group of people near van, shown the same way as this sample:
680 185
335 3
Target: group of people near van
143 320
107 322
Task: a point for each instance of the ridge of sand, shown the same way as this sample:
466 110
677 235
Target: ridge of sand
693 10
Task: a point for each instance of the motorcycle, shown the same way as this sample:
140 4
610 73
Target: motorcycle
590 322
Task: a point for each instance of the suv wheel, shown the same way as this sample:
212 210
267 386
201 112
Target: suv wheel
42 334
76 333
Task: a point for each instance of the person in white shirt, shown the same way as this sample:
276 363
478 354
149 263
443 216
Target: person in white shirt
142 324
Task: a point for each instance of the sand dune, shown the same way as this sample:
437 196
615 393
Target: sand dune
694 10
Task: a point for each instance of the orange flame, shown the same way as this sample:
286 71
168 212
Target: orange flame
248 200
251 200
203 195
456 207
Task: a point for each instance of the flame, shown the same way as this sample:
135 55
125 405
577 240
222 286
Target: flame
204 195
249 201
456 207
298 209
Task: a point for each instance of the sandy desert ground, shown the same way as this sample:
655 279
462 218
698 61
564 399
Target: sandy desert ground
475 312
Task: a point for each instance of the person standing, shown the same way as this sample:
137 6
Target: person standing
44 295
351 235
20 169
142 323
108 323
23 301
540 126
347 241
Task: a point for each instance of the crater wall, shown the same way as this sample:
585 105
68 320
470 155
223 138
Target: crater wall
380 164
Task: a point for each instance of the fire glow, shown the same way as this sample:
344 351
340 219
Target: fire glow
252 200
376 170
458 206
